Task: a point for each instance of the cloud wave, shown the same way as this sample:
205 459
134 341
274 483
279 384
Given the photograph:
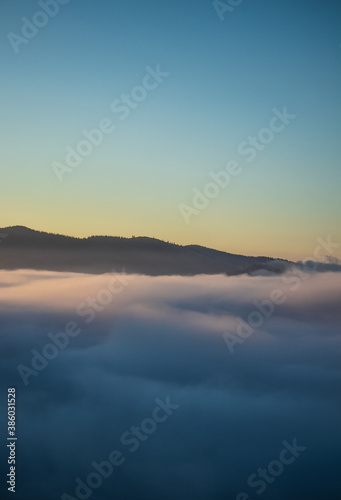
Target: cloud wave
143 339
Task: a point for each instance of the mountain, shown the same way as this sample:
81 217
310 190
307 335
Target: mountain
24 248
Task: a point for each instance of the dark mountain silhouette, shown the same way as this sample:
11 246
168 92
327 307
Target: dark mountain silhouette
24 248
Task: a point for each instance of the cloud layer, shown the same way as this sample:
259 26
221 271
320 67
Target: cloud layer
137 340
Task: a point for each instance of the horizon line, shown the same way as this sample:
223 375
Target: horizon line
18 226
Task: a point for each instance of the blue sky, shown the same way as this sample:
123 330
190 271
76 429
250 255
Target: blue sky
225 78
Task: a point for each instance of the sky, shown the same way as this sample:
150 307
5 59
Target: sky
225 76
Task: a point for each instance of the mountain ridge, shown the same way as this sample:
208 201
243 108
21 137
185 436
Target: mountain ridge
22 247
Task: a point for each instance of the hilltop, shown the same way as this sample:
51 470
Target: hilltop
25 248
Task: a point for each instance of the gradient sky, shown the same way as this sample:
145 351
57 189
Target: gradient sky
225 79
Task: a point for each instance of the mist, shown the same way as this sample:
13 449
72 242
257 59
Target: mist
227 368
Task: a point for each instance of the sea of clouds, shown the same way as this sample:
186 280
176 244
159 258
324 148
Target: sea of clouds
219 374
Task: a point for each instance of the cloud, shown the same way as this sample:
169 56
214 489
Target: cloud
142 338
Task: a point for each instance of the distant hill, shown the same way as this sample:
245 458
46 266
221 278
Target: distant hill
24 248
